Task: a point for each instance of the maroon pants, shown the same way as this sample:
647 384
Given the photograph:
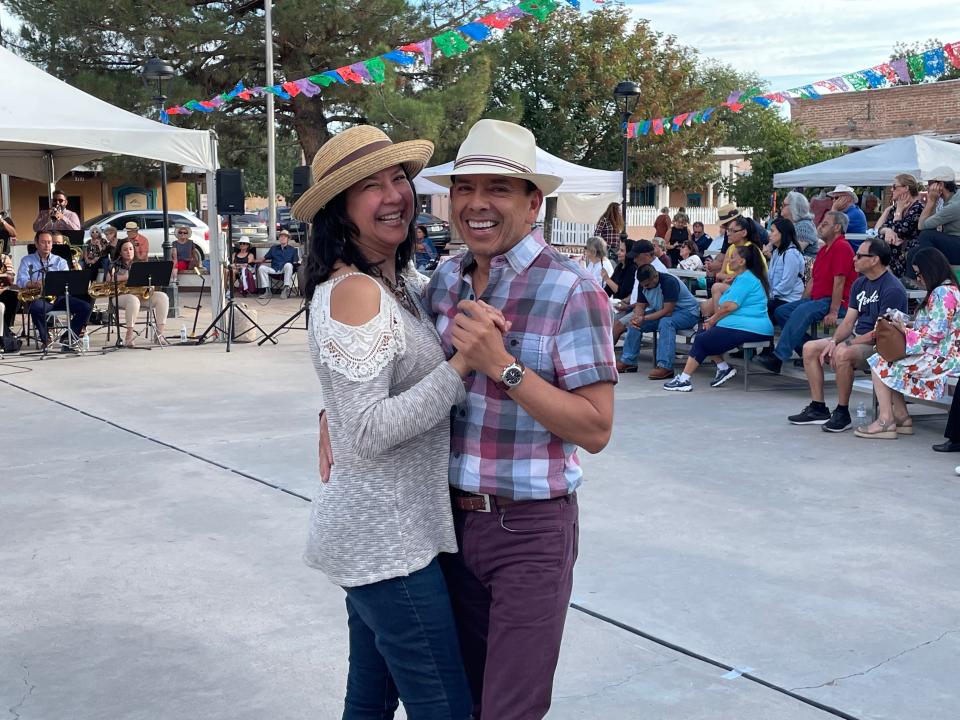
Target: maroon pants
510 586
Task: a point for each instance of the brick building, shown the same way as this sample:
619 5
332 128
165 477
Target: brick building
862 119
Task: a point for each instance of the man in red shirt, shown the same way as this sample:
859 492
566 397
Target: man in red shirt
141 245
824 297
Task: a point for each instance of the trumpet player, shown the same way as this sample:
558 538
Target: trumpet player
130 302
57 217
31 275
8 297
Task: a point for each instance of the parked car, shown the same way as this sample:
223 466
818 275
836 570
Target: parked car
248 227
150 223
438 231
285 221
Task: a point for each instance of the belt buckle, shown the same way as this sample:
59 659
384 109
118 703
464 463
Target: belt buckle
486 503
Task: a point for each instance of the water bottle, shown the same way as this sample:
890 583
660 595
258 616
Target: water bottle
85 343
861 414
183 333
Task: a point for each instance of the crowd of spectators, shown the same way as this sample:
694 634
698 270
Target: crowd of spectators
776 283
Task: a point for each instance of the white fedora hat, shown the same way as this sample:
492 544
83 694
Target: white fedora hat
495 147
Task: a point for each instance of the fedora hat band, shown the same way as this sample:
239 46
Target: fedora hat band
490 160
354 156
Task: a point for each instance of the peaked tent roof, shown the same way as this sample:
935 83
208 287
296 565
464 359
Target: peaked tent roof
576 179
41 114
916 154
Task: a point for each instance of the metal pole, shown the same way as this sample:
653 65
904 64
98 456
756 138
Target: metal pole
623 129
213 222
271 149
167 248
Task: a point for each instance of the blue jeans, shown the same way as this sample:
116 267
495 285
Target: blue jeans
794 319
666 328
403 646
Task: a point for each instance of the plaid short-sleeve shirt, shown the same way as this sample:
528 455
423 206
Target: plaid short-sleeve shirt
561 331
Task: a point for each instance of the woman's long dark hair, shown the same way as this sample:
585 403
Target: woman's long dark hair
334 239
753 259
788 235
116 254
749 228
934 268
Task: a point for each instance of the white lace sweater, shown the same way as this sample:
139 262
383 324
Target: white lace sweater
388 391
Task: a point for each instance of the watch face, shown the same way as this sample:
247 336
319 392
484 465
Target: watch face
512 376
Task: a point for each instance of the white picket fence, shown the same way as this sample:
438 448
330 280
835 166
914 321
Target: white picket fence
568 233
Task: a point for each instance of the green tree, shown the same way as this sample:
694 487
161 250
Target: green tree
773 145
557 79
100 47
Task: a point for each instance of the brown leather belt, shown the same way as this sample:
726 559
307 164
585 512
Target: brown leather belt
482 502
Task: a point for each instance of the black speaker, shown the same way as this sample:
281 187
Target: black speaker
302 179
230 192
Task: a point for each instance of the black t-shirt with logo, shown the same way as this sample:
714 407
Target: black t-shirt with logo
872 298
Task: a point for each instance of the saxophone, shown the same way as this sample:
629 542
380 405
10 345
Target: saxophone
105 289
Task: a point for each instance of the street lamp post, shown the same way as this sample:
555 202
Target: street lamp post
625 95
160 70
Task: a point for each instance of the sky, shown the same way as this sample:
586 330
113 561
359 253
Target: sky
795 43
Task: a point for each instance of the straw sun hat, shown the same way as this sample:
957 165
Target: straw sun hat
352 155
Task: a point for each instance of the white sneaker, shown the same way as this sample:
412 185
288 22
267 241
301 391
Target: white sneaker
285 293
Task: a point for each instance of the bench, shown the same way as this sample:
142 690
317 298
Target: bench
685 337
865 385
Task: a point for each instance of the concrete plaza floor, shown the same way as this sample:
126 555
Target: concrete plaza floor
153 514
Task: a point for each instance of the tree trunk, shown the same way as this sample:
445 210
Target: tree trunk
310 124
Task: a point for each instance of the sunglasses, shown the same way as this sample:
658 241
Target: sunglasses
863 255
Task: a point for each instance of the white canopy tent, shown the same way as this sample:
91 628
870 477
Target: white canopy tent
917 155
48 127
582 192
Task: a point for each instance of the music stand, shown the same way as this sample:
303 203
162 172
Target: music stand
152 274
58 283
74 237
63 251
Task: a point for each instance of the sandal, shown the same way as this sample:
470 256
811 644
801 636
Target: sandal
904 425
887 431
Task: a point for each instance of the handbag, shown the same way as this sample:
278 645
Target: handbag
891 342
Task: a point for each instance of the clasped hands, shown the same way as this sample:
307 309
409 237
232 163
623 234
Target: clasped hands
477 337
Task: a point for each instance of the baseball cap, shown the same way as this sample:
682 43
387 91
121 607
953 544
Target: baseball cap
640 247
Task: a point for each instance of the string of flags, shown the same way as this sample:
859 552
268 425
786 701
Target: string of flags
373 70
912 69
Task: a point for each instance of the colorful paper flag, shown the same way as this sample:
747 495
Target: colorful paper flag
952 51
350 75
933 62
376 69
450 43
400 58
478 32
540 9
874 79
856 80
902 69
658 126
916 65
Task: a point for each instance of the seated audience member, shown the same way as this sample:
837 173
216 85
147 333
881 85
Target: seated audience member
619 286
786 265
741 316
941 186
183 251
661 254
701 238
140 242
739 231
932 346
664 305
595 260
279 259
872 294
642 253
899 222
679 234
425 253
824 297
845 201
796 209
244 260
689 259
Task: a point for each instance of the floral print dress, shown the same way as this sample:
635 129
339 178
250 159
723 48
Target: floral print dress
933 352
908 230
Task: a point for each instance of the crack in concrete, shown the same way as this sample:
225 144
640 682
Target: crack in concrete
835 680
619 683
15 710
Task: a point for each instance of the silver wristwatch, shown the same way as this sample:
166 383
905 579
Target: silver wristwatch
512 375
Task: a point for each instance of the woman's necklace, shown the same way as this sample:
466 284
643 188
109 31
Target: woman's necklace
402 294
